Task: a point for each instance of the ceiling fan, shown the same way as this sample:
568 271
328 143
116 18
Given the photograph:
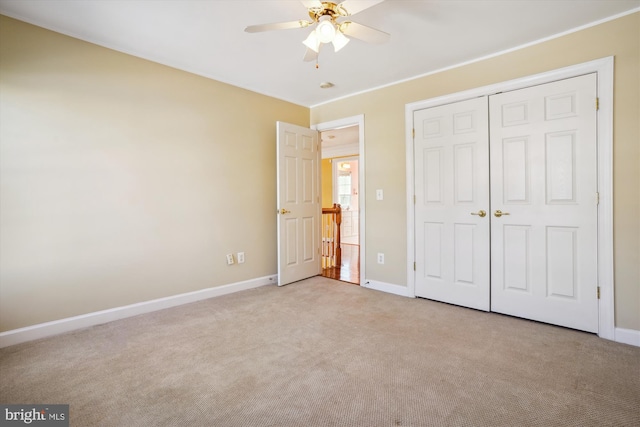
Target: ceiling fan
330 27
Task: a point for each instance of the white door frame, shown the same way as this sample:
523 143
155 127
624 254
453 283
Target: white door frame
341 123
604 69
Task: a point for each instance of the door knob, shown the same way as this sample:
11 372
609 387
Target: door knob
284 211
480 213
499 213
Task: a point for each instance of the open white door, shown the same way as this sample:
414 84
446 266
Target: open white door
299 209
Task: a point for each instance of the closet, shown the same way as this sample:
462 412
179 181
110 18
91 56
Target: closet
505 204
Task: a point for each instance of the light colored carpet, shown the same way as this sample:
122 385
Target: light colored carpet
325 353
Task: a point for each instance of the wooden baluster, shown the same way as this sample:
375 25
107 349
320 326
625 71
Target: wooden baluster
331 251
330 241
322 241
337 243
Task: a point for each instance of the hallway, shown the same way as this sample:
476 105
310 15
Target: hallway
349 270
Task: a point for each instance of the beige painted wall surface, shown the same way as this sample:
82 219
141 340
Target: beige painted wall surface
326 174
123 180
385 144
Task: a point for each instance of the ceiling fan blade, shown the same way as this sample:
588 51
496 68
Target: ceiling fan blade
364 33
351 7
310 55
312 4
277 26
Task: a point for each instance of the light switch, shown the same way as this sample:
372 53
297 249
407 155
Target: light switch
379 195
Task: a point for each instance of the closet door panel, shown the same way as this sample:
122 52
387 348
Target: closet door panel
544 204
452 187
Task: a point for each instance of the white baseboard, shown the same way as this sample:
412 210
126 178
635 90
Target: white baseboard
387 287
627 336
43 330
56 327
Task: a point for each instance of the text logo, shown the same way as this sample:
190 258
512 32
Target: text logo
34 415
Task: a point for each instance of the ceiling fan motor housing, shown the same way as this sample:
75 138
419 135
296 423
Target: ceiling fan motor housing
330 9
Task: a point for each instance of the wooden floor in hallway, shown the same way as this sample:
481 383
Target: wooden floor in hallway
349 270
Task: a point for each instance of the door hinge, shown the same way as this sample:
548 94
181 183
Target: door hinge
413 132
414 199
597 104
598 292
414 266
597 198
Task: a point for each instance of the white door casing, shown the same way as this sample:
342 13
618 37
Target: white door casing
299 207
452 203
543 174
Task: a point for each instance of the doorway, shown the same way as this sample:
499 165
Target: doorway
344 189
342 182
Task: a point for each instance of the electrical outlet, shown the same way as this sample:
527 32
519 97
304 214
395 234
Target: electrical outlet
380 258
379 194
240 257
230 259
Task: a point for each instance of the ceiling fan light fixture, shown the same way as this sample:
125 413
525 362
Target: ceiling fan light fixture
327 17
340 41
326 31
312 42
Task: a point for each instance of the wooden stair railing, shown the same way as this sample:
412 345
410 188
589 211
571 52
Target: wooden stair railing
331 252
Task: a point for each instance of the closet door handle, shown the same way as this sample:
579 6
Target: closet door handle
499 213
480 213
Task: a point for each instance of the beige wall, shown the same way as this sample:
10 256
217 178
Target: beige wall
385 145
326 174
123 180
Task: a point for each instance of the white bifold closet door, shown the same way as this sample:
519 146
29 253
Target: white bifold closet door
527 159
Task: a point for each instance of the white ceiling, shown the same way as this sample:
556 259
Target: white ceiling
336 141
207 37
